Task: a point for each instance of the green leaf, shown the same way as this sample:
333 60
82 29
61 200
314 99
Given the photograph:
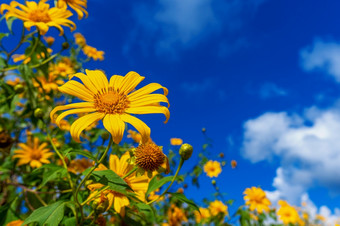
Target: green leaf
147 210
110 178
156 183
53 172
182 198
9 23
2 35
83 153
49 215
70 221
8 212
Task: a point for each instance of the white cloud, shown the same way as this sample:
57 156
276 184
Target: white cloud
322 56
307 145
269 90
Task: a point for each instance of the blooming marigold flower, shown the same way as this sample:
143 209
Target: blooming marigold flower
202 216
49 84
256 199
176 141
39 15
61 68
77 5
113 102
121 167
217 207
79 39
287 213
32 153
212 168
93 53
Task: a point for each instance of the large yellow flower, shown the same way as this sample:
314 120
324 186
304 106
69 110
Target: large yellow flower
212 168
39 15
78 5
112 101
287 213
256 199
32 153
121 167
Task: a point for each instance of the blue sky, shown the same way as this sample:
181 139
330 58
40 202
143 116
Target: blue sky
261 75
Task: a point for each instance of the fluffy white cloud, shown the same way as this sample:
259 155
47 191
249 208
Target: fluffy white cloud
307 145
323 56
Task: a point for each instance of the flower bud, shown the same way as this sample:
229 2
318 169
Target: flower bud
186 151
49 40
19 88
100 207
185 185
65 45
223 163
105 135
38 113
204 130
213 182
221 155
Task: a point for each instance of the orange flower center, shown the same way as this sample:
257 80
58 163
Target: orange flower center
36 155
111 102
149 156
39 15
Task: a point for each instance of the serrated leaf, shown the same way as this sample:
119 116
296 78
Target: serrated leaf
156 183
110 178
83 153
49 215
182 198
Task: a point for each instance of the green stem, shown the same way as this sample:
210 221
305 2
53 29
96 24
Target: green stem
172 181
131 172
89 174
40 199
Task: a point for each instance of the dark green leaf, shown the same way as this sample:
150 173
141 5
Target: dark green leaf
70 221
8 212
49 215
156 183
83 153
53 172
110 178
147 210
182 198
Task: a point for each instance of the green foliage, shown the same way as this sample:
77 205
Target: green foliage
181 197
156 183
111 179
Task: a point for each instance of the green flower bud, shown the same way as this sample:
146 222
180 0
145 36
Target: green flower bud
65 45
204 130
88 182
105 135
38 113
186 151
213 182
19 88
223 163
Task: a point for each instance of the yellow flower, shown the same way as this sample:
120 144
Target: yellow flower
49 40
320 217
79 165
78 5
203 216
288 213
79 39
19 57
39 15
176 216
256 199
93 53
15 223
15 82
217 207
212 168
233 164
63 69
153 195
121 167
176 141
47 84
32 153
136 137
113 102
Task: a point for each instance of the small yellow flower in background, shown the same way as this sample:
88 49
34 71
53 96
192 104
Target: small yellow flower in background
217 207
121 167
136 137
93 53
79 165
149 158
32 153
14 82
256 199
78 5
112 102
212 168
39 15
153 196
320 218
15 223
64 125
49 84
176 216
49 40
19 57
202 216
176 141
233 164
305 216
79 39
253 216
287 213
61 68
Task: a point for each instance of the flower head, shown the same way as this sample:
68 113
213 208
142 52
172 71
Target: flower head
121 167
233 164
93 53
79 165
217 207
49 84
287 213
212 168
256 199
176 141
39 15
77 5
79 39
202 215
62 68
113 102
176 215
32 153
136 137
49 40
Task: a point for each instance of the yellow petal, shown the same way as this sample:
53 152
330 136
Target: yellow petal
73 111
147 90
69 106
130 81
142 128
115 125
76 89
98 78
149 99
80 124
150 110
116 82
113 163
86 81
